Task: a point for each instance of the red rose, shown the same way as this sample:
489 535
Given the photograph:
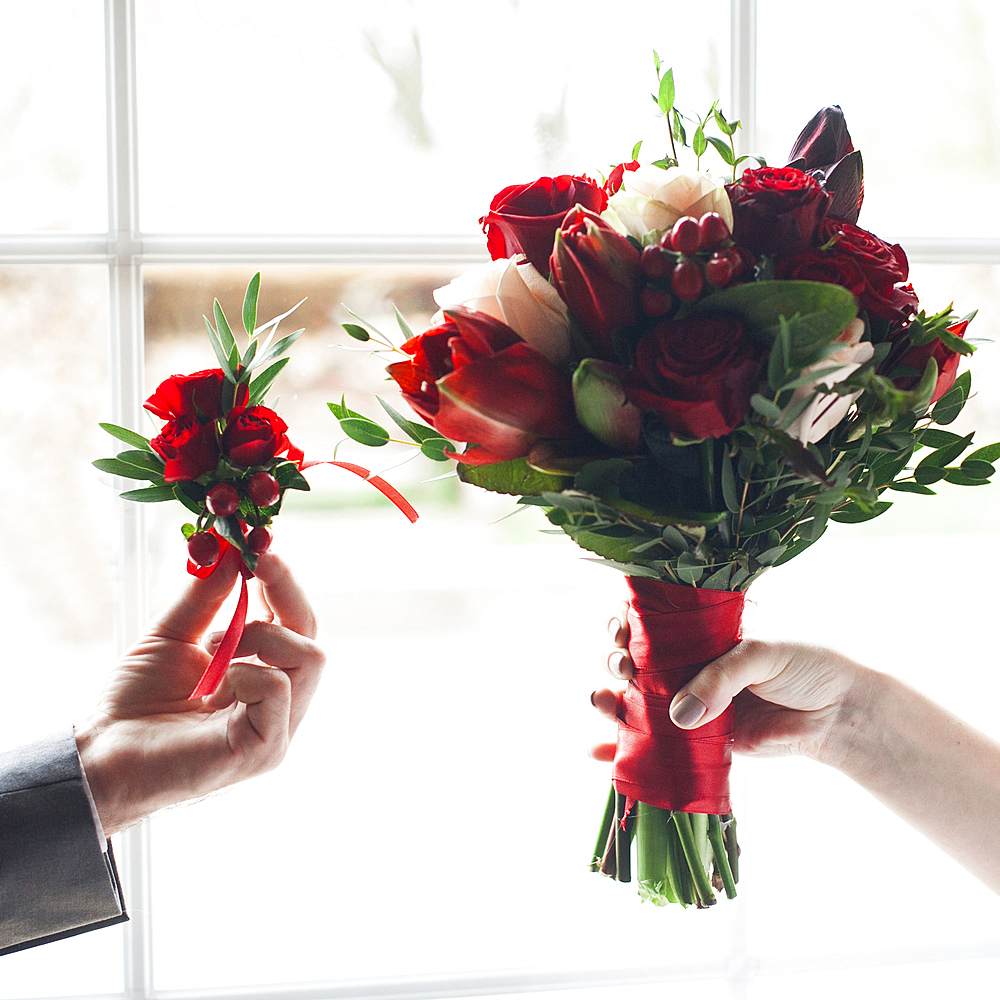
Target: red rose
253 436
776 210
697 374
188 448
523 218
884 266
473 379
947 363
823 265
596 272
196 395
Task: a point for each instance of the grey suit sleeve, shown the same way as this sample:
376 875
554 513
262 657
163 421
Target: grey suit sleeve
57 877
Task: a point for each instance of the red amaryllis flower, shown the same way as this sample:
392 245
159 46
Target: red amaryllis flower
523 218
776 210
617 177
596 272
196 395
697 374
916 358
188 448
473 379
825 145
884 266
253 436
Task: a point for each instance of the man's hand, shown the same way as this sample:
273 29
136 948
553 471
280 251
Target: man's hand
146 746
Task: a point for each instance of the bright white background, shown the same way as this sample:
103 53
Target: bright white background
428 833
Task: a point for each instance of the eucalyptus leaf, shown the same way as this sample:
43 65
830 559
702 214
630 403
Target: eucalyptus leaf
115 467
975 468
221 355
765 407
152 494
719 580
357 332
279 348
988 453
907 487
259 386
402 324
958 477
436 448
226 338
365 431
416 432
856 515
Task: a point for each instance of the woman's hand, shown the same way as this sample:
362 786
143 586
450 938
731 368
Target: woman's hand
788 697
147 746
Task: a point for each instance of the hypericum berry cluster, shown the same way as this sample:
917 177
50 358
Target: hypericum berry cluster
691 255
224 500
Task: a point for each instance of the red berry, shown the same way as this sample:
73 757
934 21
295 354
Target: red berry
713 230
686 280
655 302
719 270
264 489
223 500
654 262
685 237
203 548
259 540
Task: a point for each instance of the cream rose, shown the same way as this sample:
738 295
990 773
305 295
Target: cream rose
512 291
653 199
827 409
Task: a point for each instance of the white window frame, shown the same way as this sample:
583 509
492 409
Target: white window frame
124 249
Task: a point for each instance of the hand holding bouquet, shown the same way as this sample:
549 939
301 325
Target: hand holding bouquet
691 379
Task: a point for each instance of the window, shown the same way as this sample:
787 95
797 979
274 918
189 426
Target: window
427 834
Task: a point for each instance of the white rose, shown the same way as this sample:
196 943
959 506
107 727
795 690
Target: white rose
824 412
512 291
652 199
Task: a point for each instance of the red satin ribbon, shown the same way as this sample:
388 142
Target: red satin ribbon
219 664
674 632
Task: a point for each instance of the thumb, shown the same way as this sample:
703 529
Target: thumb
711 692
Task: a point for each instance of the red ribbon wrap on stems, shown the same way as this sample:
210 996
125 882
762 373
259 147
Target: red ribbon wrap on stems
674 632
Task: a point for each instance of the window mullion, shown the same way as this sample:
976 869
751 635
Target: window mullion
125 321
743 71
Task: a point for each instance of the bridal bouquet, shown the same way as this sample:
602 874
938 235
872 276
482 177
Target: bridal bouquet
224 455
690 378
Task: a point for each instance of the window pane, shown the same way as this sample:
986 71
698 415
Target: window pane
395 117
56 556
438 808
52 124
930 139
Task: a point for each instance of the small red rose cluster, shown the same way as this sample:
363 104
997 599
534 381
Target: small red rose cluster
225 454
642 307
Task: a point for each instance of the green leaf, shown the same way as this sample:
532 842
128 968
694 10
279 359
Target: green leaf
950 404
907 487
189 502
357 332
402 324
975 468
946 455
729 492
152 494
290 478
728 128
414 431
365 431
228 369
259 386
853 514
230 529
988 453
765 407
665 98
279 348
929 474
514 477
129 437
938 439
144 460
226 338
723 149
719 580
250 305
816 313
114 467
698 143
689 569
959 477
435 448
635 150
769 557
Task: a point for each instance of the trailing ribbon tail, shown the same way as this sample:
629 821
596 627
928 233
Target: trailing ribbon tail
386 489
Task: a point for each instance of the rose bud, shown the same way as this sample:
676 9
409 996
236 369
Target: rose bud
196 395
253 436
601 406
596 272
523 218
947 360
473 379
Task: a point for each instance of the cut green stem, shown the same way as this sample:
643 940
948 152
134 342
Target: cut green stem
702 886
601 847
721 857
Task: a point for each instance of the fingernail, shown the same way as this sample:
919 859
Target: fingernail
215 638
616 665
687 711
614 627
593 694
